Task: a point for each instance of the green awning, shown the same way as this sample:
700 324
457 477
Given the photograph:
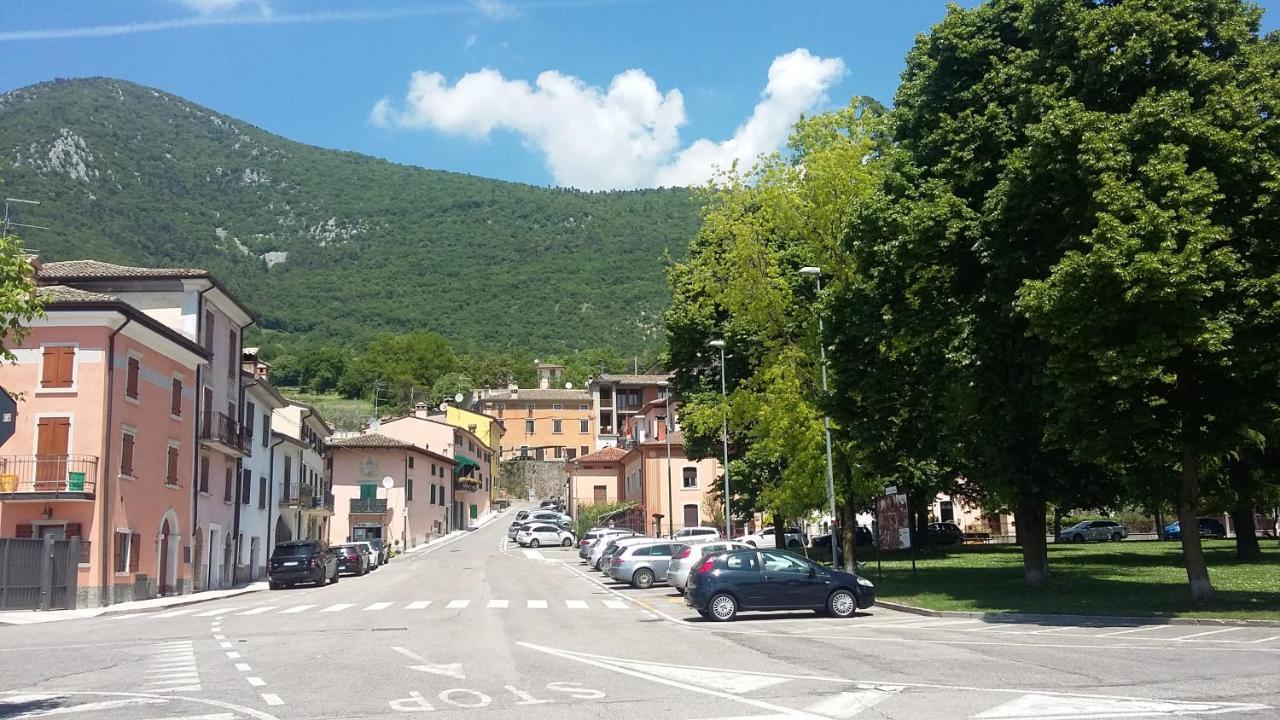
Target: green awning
466 465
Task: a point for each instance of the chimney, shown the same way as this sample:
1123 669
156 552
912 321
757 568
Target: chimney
545 382
421 410
514 390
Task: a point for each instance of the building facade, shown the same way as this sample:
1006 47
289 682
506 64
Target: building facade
258 506
414 509
543 424
470 482
617 401
305 497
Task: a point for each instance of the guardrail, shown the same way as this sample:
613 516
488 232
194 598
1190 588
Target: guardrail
76 474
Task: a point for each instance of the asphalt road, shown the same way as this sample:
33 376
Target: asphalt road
476 627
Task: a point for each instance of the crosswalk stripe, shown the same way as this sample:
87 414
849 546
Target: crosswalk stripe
338 607
176 613
378 606
614 604
457 604
258 610
536 604
296 609
417 605
1209 632
219 611
576 604
497 603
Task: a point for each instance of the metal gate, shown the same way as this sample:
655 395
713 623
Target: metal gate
38 574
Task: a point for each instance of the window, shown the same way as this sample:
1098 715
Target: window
745 561
524 451
600 494
557 407
208 330
584 427
408 488
584 450
433 469
528 427
288 475
266 429
690 479
171 466
557 452
433 493
58 369
126 454
570 453
557 426
175 398
528 409
246 487
410 462
126 555
442 494
131 379
262 493
583 408
250 413
233 354
777 562
204 474
227 485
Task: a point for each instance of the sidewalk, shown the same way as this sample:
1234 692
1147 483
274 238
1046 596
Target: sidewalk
31 617
479 523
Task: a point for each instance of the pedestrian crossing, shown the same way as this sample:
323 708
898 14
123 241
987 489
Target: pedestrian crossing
576 605
173 668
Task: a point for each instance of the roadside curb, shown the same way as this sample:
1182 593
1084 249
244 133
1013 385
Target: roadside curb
1048 619
179 601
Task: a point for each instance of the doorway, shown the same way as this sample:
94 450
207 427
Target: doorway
163 583
52 435
691 516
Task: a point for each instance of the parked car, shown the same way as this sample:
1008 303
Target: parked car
642 564
522 514
549 515
943 533
540 534
1087 530
373 553
688 555
551 504
689 533
352 558
383 552
820 546
726 583
614 545
299 561
589 538
766 538
1208 527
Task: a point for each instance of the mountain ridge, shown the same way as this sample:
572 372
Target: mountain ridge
330 243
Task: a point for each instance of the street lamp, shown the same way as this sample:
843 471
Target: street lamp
724 442
826 421
666 432
388 482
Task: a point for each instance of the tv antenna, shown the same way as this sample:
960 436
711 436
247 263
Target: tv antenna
7 225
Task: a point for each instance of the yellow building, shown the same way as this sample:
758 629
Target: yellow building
486 428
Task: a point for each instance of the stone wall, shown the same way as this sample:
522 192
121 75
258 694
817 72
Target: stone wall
544 478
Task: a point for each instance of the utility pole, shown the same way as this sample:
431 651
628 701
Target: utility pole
724 442
826 427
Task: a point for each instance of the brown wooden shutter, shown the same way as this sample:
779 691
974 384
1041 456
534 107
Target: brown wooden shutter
66 366
135 551
175 400
24 530
126 455
49 368
131 379
204 474
171 472
73 530
58 367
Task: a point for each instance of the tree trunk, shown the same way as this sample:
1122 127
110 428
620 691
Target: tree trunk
848 537
1192 551
1057 523
1159 518
779 530
1029 514
1242 513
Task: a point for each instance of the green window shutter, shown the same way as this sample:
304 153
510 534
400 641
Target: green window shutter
368 491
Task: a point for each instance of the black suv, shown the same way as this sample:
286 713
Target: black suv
302 561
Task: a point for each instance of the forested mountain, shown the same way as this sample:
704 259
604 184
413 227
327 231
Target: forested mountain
334 244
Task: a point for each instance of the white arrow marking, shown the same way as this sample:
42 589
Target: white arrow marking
453 670
214 716
1067 707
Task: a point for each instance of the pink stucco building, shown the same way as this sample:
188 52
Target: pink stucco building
413 510
469 485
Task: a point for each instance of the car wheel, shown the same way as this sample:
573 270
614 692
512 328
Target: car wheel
841 604
793 544
1078 538
534 543
723 608
643 578
565 543
705 614
274 585
1116 537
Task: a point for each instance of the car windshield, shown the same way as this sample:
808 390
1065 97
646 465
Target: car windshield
292 551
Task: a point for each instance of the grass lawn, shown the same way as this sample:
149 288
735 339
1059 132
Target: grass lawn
342 413
1138 578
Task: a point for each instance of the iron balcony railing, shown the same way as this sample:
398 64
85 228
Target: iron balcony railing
368 505
216 427
322 502
72 474
466 484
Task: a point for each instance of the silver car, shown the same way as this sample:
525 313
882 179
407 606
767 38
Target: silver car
1093 530
614 545
642 564
687 557
587 544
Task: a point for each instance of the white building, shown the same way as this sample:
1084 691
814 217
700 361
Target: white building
259 506
306 500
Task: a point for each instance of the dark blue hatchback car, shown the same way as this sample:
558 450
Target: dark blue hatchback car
725 583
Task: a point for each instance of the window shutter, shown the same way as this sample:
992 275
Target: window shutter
204 474
226 486
131 379
120 548
135 551
246 487
262 493
73 530
24 530
175 400
171 472
49 368
126 456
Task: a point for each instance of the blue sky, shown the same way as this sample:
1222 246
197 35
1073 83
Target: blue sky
536 92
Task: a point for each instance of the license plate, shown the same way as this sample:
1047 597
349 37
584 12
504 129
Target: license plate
290 562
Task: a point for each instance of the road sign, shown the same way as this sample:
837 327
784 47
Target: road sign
8 415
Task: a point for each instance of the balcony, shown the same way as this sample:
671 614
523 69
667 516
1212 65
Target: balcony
466 484
48 477
320 502
222 433
369 506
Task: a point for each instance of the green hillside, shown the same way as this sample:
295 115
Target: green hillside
334 244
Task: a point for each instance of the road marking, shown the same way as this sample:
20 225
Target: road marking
272 699
9 696
576 604
243 667
1265 639
1132 630
219 637
258 610
256 681
175 613
457 604
219 611
498 604
536 604
417 605
210 716
176 681
182 688
233 655
225 645
1209 632
88 707
533 554
847 704
378 606
338 607
1067 707
614 604
297 609
453 670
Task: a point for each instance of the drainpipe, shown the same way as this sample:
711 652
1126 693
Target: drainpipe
104 491
195 455
239 500
271 491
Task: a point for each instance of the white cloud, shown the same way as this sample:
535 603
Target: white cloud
624 137
213 7
495 9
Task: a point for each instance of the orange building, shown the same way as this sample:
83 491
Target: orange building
545 424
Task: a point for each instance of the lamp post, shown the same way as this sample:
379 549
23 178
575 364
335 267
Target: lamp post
826 422
724 442
388 482
666 433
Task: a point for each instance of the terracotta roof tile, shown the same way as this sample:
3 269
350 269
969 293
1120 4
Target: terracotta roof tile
536 395
608 454
372 440
88 269
635 379
62 294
